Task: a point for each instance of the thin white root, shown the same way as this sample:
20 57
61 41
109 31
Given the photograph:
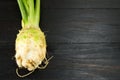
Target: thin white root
22 76
46 63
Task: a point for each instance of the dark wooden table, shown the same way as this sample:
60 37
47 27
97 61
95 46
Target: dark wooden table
82 35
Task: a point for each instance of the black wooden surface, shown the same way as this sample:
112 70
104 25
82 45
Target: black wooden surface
82 35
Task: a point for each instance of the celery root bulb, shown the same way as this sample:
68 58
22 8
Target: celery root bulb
30 48
30 44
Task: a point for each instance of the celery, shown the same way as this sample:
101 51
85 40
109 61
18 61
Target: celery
30 44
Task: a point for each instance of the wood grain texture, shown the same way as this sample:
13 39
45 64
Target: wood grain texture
82 25
82 35
71 61
81 3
